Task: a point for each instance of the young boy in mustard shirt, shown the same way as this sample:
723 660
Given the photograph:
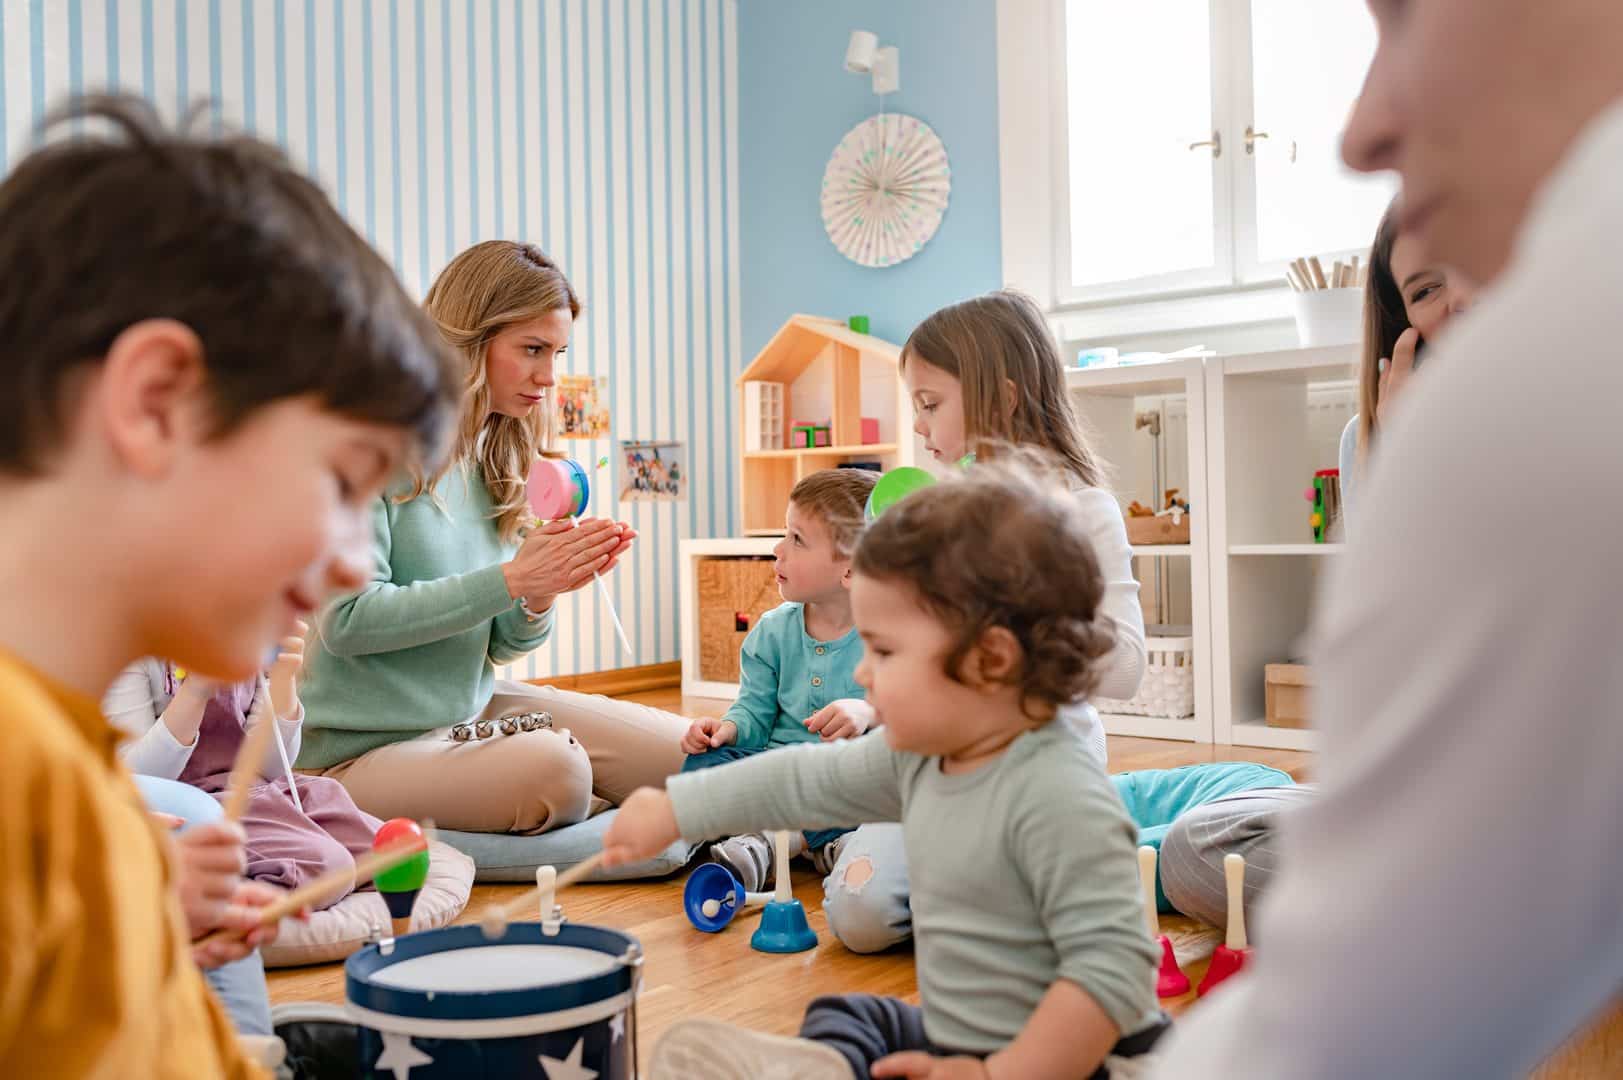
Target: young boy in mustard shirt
207 377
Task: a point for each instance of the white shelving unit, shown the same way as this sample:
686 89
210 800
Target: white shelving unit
1109 399
1242 438
1265 569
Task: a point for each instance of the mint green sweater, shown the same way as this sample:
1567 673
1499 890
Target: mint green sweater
418 647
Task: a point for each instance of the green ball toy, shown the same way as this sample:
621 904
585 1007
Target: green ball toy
895 486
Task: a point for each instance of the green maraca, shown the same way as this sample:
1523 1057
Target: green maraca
401 884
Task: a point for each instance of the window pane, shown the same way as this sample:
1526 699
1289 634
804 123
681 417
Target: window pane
1308 61
1139 90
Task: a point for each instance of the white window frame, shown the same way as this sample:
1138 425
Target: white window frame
1035 183
1217 276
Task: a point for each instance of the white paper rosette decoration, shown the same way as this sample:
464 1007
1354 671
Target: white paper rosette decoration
885 189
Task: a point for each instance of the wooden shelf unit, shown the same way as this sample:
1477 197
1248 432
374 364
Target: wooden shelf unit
770 474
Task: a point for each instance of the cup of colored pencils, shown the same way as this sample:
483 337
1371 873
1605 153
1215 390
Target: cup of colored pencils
1329 304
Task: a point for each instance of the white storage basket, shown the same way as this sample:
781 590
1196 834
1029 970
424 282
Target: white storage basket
1168 689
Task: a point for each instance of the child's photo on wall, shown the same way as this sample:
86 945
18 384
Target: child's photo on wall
654 472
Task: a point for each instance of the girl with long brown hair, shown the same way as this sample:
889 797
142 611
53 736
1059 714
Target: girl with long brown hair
982 374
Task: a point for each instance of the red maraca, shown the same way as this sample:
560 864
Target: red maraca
401 884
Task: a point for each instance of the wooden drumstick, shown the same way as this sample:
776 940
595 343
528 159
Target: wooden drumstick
494 923
255 743
367 867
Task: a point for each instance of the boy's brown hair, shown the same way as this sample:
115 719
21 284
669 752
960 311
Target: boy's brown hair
839 499
1002 545
102 231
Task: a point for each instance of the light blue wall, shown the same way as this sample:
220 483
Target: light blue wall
796 101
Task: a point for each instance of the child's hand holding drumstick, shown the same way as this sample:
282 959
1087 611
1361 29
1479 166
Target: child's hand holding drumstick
240 929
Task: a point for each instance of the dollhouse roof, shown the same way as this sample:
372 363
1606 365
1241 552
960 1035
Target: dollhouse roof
802 340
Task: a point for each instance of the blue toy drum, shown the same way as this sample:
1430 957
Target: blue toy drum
453 1003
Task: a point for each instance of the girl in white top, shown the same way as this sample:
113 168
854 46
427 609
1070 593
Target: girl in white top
190 730
981 373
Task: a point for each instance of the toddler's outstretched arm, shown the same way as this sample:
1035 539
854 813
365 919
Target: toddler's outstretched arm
644 826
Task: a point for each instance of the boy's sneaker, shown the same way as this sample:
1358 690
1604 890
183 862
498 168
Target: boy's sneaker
747 857
712 1050
322 1041
824 858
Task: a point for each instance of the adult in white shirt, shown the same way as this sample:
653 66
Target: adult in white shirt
1452 906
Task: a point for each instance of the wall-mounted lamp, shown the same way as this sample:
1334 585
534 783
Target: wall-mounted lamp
864 55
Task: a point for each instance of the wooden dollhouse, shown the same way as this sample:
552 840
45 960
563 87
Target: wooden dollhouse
805 408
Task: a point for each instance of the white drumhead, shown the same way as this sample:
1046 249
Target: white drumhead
495 967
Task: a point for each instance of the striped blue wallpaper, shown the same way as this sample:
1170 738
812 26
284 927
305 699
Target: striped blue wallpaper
603 130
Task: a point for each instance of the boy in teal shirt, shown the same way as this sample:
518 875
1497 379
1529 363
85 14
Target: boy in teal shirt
797 670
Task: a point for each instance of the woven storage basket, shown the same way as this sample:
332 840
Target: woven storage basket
1168 689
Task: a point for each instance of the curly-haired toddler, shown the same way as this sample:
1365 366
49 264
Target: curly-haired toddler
976 600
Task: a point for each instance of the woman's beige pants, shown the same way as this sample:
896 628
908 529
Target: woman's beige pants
598 751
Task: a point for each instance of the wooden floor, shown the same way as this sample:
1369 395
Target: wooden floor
692 974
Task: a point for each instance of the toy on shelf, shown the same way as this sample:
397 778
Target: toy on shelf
838 380
400 884
1230 956
1325 495
859 323
1287 695
763 415
1169 525
560 487
1171 981
803 435
712 898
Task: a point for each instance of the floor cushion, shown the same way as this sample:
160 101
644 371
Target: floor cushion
333 933
505 857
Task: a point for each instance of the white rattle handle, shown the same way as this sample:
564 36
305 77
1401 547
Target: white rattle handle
780 851
1234 877
1146 877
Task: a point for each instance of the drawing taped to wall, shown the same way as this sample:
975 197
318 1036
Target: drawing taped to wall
581 412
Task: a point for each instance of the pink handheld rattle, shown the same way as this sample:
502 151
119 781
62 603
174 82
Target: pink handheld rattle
561 488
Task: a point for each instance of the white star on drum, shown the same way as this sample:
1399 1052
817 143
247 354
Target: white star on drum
399 1056
617 1028
569 1068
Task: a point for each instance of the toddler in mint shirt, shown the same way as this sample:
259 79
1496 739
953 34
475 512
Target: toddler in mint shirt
797 669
